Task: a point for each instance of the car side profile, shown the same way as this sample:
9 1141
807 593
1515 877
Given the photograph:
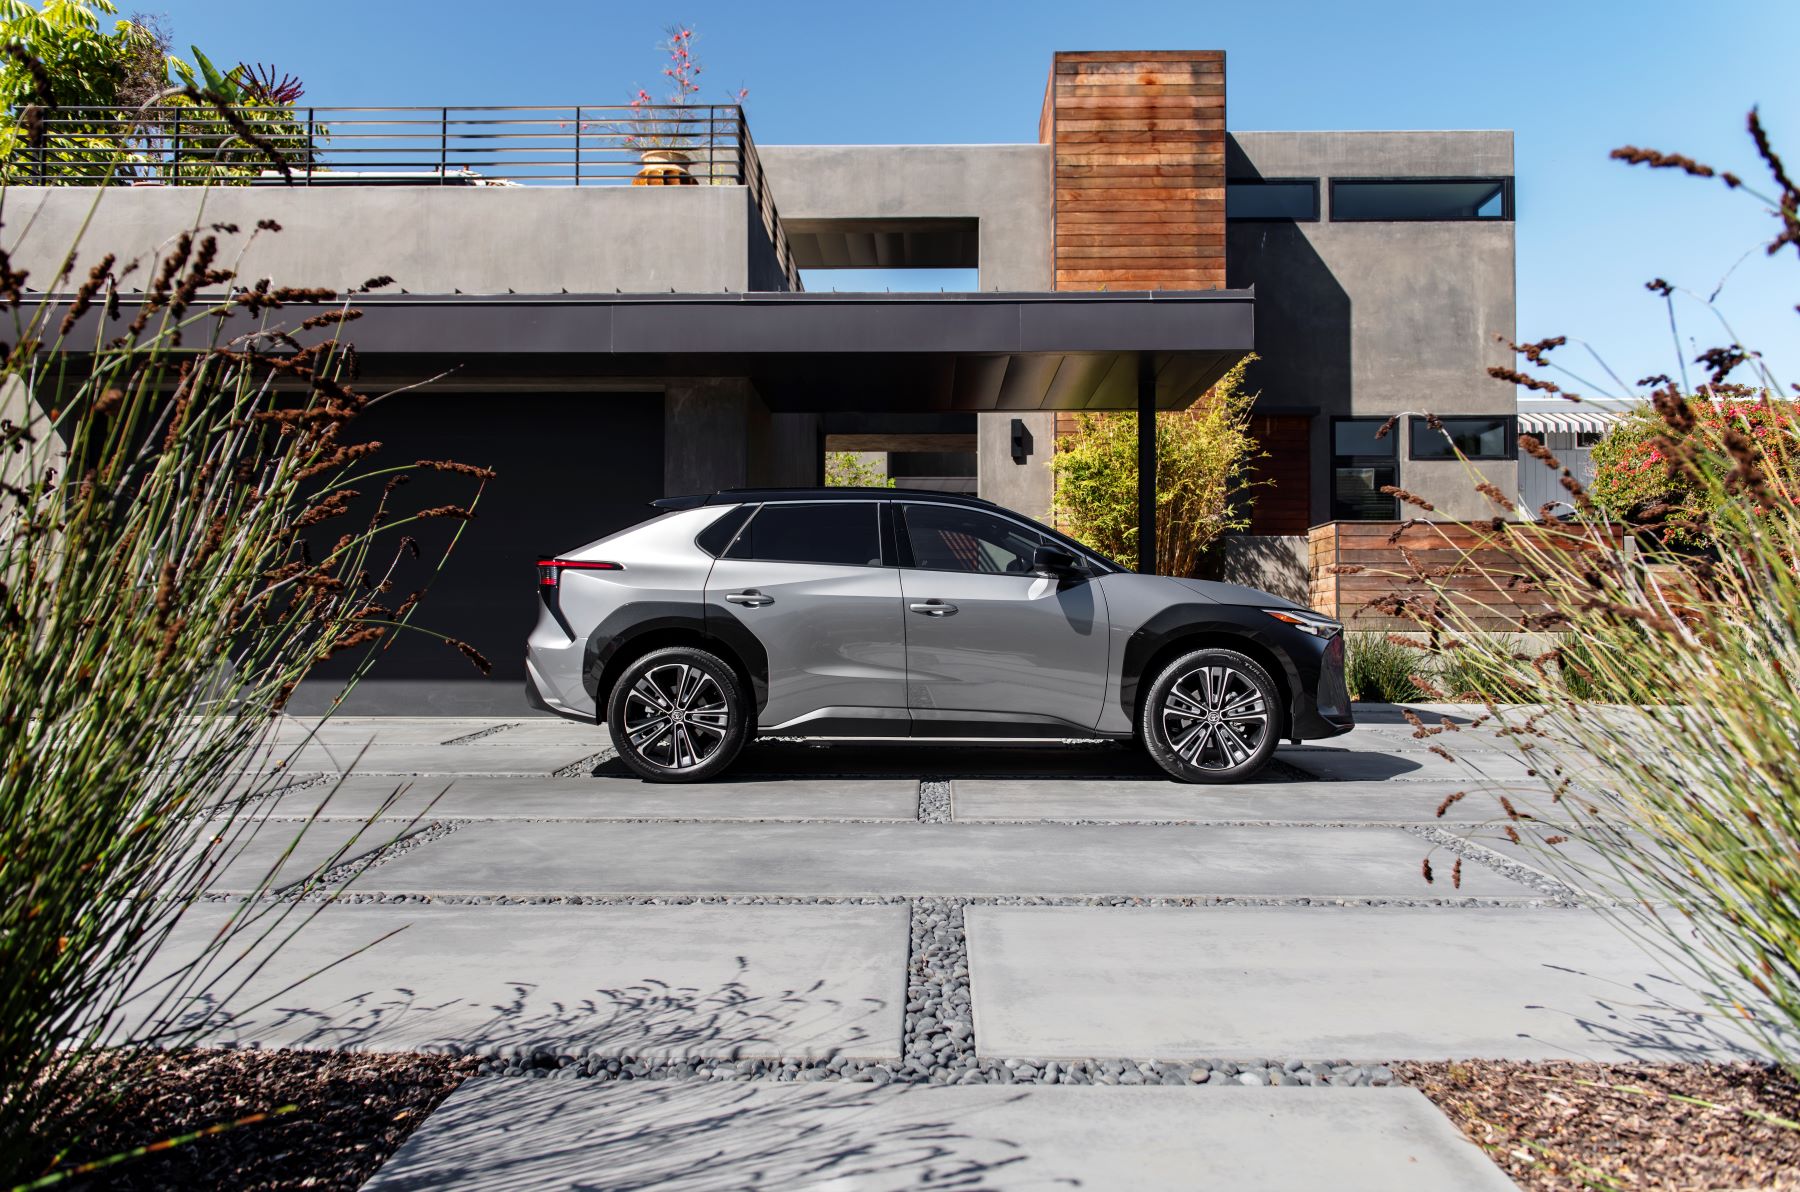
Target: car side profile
859 613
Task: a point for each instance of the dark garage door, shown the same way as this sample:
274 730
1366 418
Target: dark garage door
572 467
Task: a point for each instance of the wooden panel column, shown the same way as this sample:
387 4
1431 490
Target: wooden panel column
1139 140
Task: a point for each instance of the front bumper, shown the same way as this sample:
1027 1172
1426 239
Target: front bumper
1322 698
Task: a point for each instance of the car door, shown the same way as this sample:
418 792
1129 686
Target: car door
806 581
988 640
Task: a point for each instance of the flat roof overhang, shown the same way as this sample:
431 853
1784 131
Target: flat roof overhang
813 351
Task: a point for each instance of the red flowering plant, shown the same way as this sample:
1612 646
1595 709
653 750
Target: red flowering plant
1638 480
665 123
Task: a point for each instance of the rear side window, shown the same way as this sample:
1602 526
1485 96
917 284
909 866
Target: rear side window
844 533
716 537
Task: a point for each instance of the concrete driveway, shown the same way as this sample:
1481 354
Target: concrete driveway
880 966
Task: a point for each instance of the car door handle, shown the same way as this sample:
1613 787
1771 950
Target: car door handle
750 598
934 608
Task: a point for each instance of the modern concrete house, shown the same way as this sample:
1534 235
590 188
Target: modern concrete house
601 345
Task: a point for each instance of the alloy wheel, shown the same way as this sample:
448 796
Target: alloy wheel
1214 717
677 716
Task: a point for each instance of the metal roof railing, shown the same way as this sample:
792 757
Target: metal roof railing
575 145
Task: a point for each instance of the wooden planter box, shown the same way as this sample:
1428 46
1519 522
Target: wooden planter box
1409 559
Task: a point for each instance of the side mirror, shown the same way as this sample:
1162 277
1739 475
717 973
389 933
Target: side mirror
1056 564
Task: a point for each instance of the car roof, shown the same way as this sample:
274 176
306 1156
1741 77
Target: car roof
748 496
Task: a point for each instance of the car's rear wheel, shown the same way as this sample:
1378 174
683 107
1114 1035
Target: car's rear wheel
678 715
1211 716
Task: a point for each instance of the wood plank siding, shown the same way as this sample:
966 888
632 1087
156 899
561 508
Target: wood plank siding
1139 148
1357 564
1280 492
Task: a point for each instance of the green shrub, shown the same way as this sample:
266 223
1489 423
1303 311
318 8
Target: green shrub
1202 457
1382 670
1635 483
848 469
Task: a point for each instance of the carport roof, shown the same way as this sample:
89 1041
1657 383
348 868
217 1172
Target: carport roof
823 351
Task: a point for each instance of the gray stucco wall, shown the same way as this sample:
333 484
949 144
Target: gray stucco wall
1379 318
1007 189
480 240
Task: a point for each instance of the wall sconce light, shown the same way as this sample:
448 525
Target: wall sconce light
1021 441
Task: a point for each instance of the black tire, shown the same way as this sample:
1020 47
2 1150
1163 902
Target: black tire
1213 715
698 728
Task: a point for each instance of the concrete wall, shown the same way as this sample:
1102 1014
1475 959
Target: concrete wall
1379 318
480 240
1006 188
1025 487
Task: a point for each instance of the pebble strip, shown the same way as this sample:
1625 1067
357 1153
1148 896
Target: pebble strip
478 734
586 766
934 801
1502 864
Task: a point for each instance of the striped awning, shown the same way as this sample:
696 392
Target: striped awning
1567 418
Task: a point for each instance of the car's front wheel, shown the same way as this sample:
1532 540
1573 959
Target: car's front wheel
1211 716
678 715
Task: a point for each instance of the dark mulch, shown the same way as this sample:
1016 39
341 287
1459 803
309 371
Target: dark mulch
1551 1132
353 1111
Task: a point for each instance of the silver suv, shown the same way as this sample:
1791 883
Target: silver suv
891 613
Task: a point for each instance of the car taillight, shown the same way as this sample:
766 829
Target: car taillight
550 570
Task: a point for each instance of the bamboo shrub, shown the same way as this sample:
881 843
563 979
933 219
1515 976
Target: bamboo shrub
1203 456
181 541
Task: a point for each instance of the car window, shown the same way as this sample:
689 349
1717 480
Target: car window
947 538
839 532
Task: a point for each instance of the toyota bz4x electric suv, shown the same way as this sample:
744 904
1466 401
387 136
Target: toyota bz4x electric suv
889 613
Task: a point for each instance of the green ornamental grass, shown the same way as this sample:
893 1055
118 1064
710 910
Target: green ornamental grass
187 528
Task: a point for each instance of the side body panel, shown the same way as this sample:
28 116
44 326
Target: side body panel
1020 647
832 636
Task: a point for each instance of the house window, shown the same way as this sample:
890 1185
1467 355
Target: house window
1272 199
1489 436
1410 199
1361 464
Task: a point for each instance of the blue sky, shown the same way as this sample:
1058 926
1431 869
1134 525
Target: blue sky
1573 79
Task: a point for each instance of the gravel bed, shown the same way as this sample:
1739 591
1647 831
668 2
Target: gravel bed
966 900
934 801
1564 1125
1498 862
478 734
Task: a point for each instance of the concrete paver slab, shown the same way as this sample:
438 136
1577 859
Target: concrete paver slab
255 847
477 758
642 981
920 858
1384 763
1368 984
621 798
495 1134
388 730
976 799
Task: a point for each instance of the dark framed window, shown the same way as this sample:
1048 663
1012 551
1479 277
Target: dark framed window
952 538
835 533
716 537
1485 436
1361 464
1414 199
1266 200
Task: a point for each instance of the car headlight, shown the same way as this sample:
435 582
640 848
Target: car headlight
1306 621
